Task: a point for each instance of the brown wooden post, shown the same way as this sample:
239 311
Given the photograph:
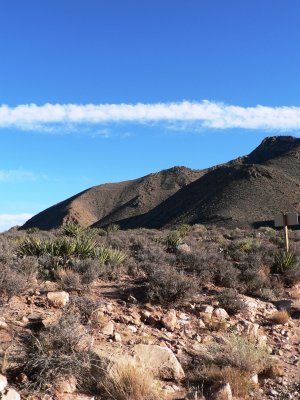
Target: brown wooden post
286 233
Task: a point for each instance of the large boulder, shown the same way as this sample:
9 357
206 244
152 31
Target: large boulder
58 299
161 360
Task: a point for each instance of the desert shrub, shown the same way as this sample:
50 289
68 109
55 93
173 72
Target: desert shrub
150 253
68 279
283 261
167 285
48 265
227 275
231 301
183 229
110 262
32 230
244 245
126 381
236 352
172 240
16 276
88 269
60 350
112 228
291 276
12 283
84 307
207 263
280 317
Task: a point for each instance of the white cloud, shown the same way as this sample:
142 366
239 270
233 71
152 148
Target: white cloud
13 175
205 114
9 220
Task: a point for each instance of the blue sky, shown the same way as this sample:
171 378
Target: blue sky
93 91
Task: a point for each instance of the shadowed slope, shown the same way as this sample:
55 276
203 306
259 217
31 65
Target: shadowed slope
243 192
113 201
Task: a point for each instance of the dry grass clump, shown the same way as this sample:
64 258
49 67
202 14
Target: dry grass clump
280 317
127 381
230 359
16 276
238 380
60 350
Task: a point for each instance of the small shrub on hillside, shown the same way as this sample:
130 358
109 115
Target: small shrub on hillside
292 275
166 285
12 283
172 240
112 228
129 382
231 301
237 352
32 230
183 229
60 350
280 317
68 279
84 307
89 269
283 261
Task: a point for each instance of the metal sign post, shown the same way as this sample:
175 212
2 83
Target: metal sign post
285 220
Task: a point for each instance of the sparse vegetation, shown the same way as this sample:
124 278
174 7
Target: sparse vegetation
62 350
168 286
280 317
127 381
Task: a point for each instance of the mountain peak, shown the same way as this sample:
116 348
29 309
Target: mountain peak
272 147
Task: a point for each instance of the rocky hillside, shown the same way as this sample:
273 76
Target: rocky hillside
111 202
244 192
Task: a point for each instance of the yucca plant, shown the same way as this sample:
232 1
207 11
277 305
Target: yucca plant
283 261
32 246
72 229
173 240
85 247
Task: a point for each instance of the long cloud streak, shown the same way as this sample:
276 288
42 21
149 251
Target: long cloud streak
205 114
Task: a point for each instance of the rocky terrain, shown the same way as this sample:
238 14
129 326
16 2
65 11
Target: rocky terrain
105 204
196 312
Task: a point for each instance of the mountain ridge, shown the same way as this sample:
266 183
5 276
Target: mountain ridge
246 191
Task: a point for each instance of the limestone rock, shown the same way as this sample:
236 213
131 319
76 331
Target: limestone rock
161 360
184 248
3 324
169 320
117 338
220 313
66 384
58 299
3 382
10 394
108 329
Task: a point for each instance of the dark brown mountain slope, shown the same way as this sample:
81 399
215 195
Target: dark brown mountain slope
114 201
244 192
